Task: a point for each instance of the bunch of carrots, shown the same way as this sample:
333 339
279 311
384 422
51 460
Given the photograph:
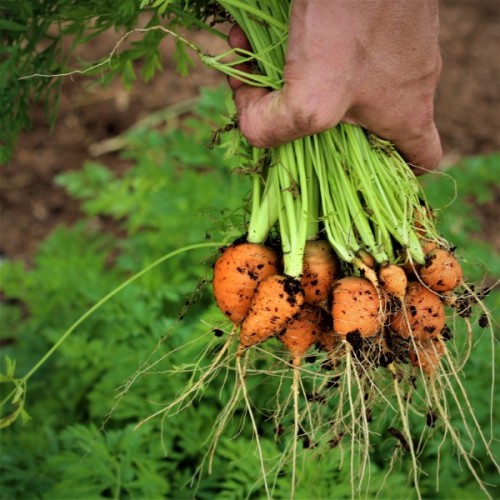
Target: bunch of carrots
331 302
356 253
341 252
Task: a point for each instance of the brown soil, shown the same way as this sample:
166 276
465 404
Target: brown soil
467 114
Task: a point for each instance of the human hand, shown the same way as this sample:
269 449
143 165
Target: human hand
367 62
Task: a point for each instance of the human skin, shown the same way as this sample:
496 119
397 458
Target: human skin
374 63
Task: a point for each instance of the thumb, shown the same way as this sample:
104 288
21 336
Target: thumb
423 152
271 118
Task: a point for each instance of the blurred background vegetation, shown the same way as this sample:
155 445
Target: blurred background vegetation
149 186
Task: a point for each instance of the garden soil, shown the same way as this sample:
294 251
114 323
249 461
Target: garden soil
467 115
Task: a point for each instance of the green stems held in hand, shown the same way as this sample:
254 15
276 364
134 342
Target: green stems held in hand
349 183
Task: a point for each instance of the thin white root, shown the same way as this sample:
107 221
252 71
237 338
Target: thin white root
486 312
469 408
456 439
353 413
296 423
254 424
406 429
193 391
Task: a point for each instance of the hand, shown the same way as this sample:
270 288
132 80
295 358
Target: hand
374 63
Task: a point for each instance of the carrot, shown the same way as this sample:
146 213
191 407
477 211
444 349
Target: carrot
276 301
422 315
428 245
356 307
410 267
393 280
426 356
303 331
237 273
320 268
328 341
366 258
441 271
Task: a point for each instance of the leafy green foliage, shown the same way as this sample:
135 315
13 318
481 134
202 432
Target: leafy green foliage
159 205
86 401
113 464
37 38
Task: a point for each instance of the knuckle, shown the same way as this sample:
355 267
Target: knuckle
308 114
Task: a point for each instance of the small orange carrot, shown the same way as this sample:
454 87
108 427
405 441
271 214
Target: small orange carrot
356 307
303 331
321 268
422 315
276 301
441 271
237 273
426 356
393 280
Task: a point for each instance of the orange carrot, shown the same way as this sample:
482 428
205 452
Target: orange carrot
393 280
422 315
276 301
356 307
426 356
237 273
303 331
366 258
409 267
321 268
428 245
441 271
328 341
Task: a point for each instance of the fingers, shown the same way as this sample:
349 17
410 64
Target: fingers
423 153
419 146
271 118
307 105
238 40
408 122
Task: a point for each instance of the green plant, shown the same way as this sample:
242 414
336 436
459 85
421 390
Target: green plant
86 401
123 199
39 37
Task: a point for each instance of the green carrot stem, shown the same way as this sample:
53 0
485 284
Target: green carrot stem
265 208
358 185
330 215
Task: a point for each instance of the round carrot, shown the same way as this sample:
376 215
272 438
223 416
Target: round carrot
422 315
441 271
276 301
303 331
426 356
356 307
237 273
321 268
393 280
409 267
